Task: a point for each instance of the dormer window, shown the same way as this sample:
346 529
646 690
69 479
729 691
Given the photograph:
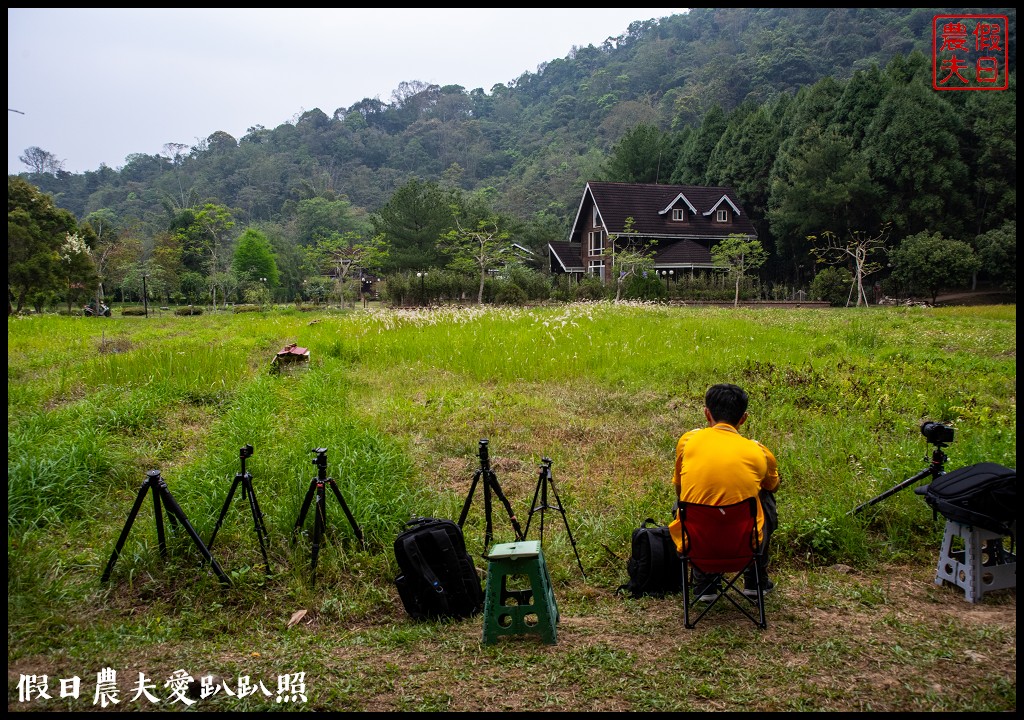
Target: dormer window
722 216
678 214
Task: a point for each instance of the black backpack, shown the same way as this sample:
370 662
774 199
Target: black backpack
438 578
982 495
654 566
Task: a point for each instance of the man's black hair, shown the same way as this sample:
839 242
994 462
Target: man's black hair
726 403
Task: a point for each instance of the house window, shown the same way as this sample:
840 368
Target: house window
723 216
597 268
596 242
678 214
596 221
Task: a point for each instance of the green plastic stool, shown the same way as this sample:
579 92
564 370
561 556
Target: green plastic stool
523 610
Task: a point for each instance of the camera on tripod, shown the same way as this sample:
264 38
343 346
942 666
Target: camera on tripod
321 458
937 433
483 451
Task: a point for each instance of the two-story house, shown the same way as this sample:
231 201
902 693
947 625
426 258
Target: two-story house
682 221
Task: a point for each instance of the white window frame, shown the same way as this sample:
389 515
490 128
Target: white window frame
723 215
596 268
678 214
596 219
595 242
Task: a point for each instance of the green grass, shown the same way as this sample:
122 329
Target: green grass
400 400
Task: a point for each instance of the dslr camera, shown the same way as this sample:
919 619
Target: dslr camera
937 433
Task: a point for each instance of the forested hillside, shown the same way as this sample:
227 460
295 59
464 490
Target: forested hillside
824 120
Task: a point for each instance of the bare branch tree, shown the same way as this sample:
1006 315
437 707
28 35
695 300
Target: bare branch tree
858 247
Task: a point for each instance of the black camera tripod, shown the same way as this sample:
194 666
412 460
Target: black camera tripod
490 485
161 495
937 434
317 488
244 479
544 479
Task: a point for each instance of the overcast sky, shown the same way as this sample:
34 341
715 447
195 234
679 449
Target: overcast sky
93 86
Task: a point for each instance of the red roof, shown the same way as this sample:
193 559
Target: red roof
293 349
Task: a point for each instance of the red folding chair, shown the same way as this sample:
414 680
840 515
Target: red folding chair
722 540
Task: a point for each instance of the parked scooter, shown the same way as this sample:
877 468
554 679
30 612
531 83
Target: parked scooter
91 310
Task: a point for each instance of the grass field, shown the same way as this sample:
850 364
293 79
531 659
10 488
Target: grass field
400 400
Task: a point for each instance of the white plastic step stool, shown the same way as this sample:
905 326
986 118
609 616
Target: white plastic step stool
975 560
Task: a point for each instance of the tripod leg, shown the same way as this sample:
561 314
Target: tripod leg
348 513
488 527
124 532
469 499
223 512
572 541
543 504
257 521
520 535
261 526
533 503
173 509
319 524
305 508
160 539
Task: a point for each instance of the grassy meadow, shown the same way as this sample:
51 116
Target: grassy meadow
400 399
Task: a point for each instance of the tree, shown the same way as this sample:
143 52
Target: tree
692 161
641 156
477 248
744 159
993 126
412 220
318 217
164 265
205 236
317 288
930 262
630 256
821 186
907 147
859 247
216 223
739 254
346 253
36 227
192 285
41 162
997 250
254 260
76 267
101 223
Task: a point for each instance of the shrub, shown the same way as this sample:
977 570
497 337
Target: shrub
590 288
832 285
533 284
644 287
189 310
510 294
244 309
138 311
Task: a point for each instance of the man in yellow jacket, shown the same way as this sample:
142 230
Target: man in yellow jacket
718 466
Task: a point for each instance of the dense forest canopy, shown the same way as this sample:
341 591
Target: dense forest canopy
824 120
